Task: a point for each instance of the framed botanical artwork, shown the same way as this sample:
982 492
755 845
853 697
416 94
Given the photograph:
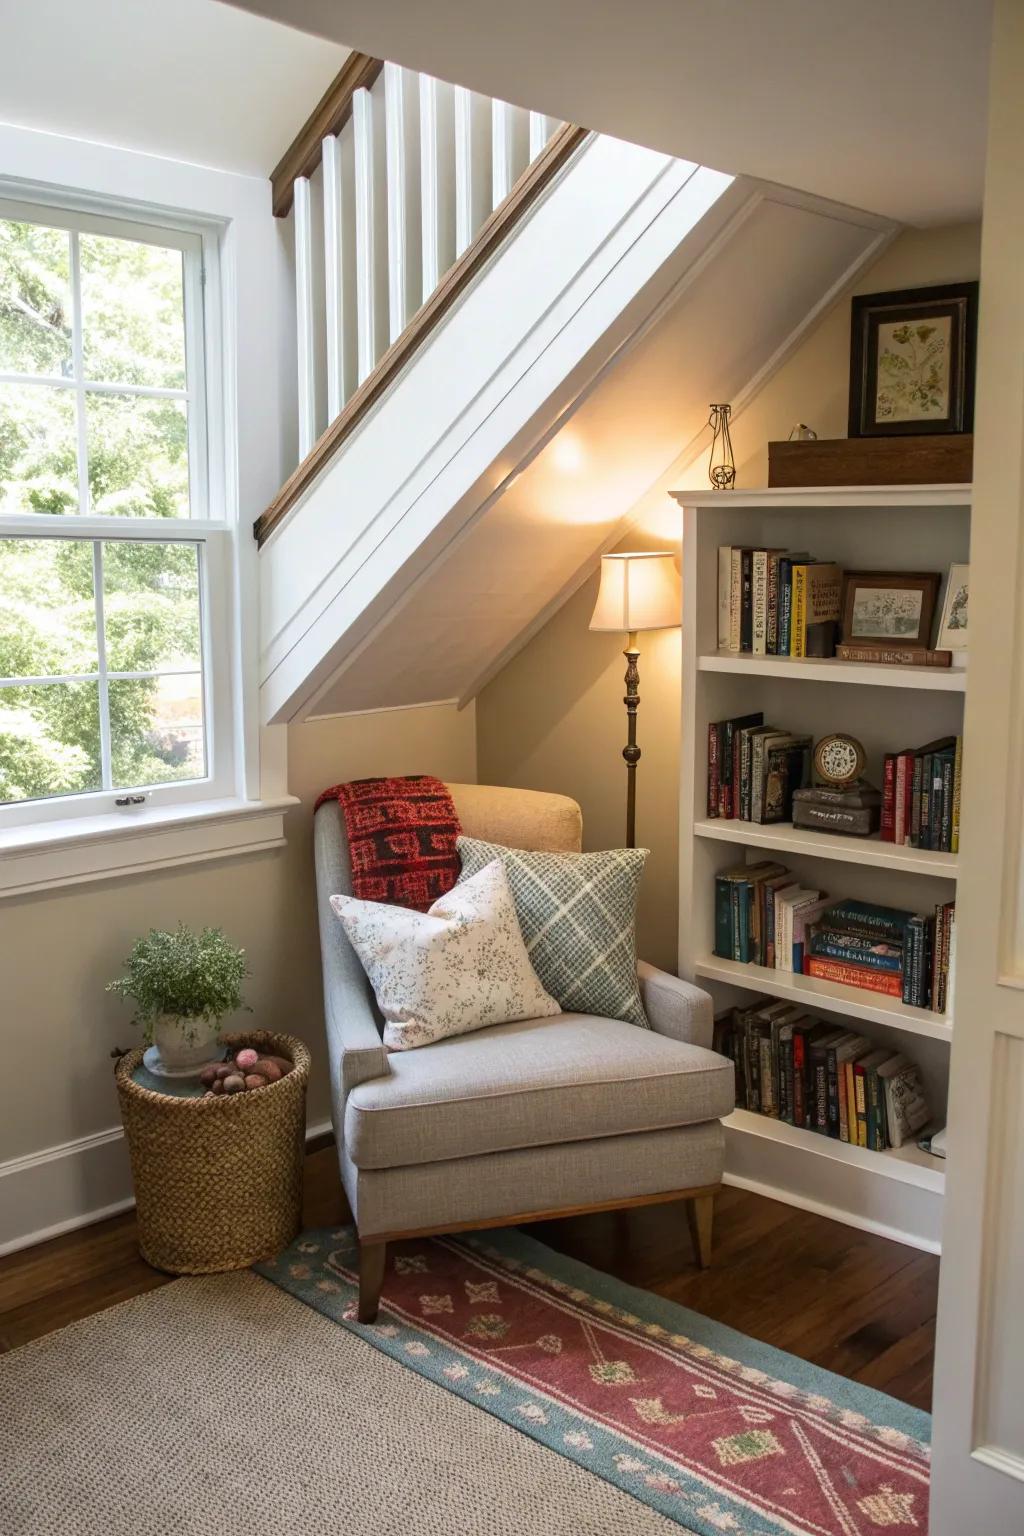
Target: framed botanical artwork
953 624
912 357
887 608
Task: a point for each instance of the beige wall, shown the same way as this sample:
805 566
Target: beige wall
58 951
553 718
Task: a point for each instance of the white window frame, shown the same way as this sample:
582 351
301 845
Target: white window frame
212 537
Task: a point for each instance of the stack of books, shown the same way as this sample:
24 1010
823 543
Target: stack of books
764 916
774 602
793 1067
754 768
921 795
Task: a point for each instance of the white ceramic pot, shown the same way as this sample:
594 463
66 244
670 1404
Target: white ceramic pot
184 1044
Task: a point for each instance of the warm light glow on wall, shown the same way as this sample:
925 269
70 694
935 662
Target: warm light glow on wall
568 454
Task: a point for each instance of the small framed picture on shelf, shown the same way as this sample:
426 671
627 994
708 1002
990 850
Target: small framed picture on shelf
912 358
953 624
889 607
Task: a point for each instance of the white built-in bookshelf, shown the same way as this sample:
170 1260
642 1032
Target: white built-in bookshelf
911 528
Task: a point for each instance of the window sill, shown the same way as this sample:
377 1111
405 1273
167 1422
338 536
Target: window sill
54 854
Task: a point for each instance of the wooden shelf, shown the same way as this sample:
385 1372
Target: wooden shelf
829 669
908 1164
827 996
826 498
787 839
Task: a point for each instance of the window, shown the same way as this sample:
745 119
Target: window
102 396
100 642
113 576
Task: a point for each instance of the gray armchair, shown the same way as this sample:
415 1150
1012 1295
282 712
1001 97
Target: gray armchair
523 1121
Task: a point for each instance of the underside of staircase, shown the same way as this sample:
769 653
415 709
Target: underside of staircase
469 447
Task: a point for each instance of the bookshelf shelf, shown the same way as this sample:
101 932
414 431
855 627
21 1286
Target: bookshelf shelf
827 498
908 1164
859 528
827 996
831 670
784 838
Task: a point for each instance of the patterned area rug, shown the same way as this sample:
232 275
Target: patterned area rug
717 1432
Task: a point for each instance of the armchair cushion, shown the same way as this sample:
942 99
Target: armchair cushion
577 912
538 1082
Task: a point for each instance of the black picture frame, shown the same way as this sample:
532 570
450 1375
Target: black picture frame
955 303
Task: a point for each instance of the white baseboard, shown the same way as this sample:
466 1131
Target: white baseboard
73 1184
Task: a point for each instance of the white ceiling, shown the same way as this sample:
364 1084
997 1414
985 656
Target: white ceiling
880 104
191 80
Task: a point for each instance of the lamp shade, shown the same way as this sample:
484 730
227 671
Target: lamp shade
638 591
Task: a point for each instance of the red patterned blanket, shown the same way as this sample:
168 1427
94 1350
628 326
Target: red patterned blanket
401 838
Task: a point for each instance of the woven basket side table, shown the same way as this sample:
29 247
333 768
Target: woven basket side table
218 1181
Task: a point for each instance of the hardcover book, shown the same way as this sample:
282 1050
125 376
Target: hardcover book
772 638
782 764
724 594
876 1128
804 1033
906 1109
736 600
861 1072
818 1078
847 975
868 918
746 599
730 777
893 655
817 591
838 944
846 1054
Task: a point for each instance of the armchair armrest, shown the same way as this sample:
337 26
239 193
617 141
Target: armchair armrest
355 1049
354 1046
674 1007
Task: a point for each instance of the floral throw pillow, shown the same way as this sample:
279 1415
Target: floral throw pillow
458 967
577 912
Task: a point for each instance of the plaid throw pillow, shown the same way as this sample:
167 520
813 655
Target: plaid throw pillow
577 912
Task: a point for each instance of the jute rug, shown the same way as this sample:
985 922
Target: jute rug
705 1426
222 1407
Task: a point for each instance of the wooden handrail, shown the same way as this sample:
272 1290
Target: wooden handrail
562 145
328 117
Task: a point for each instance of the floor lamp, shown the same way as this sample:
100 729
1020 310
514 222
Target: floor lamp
638 591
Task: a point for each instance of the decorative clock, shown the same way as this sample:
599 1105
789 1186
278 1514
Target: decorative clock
839 760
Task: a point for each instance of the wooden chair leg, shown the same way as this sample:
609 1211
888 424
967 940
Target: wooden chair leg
371 1278
700 1213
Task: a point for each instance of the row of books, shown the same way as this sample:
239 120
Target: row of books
921 795
764 916
754 768
776 602
793 1067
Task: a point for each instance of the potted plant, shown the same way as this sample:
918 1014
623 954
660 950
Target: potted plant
183 984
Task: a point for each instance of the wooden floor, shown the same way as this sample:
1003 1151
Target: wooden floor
853 1303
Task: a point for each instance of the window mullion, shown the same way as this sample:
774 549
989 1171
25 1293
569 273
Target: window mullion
78 366
101 651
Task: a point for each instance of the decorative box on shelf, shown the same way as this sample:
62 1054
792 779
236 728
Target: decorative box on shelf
926 459
855 809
